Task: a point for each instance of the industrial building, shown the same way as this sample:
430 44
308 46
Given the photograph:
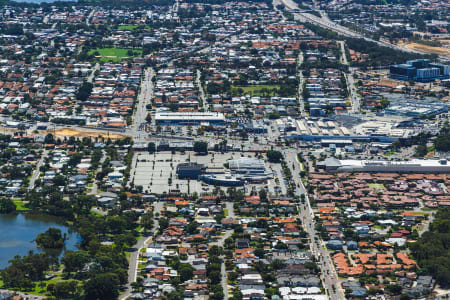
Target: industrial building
189 118
421 70
413 166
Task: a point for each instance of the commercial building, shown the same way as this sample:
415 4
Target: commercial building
414 109
419 70
384 130
412 166
247 166
189 170
222 180
187 118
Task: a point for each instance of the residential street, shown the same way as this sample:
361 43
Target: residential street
134 257
37 170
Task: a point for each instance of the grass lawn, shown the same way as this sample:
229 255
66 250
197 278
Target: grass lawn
95 213
114 54
128 255
418 227
131 27
256 90
376 186
225 211
127 27
390 153
38 290
20 205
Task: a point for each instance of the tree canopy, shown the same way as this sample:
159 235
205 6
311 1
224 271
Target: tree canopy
51 239
432 249
274 156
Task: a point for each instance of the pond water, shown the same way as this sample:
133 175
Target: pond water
18 231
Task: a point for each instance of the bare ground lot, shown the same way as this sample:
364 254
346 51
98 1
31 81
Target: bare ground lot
428 49
68 132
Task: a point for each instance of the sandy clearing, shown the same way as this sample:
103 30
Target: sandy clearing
68 132
429 49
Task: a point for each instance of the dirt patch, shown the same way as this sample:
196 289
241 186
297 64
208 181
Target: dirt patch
428 49
67 132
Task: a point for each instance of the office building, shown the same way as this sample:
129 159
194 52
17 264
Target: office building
419 70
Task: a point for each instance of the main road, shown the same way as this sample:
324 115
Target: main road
301 101
329 275
145 94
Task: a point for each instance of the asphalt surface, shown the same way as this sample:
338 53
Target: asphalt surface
145 94
329 275
301 101
134 257
37 171
326 23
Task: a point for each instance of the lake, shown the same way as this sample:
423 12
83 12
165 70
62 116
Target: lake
18 231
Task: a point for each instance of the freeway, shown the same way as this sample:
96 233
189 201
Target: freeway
329 275
327 24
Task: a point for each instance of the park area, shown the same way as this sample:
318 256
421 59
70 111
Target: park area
256 90
114 54
377 186
133 27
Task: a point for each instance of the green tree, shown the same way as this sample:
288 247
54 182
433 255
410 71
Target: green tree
151 147
51 239
65 289
84 91
274 156
74 261
102 286
201 147
147 221
7 206
186 272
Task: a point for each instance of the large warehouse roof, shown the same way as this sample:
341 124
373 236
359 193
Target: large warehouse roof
189 116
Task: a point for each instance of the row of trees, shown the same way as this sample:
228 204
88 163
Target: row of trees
432 249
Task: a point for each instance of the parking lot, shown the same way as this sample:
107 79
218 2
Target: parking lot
156 172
